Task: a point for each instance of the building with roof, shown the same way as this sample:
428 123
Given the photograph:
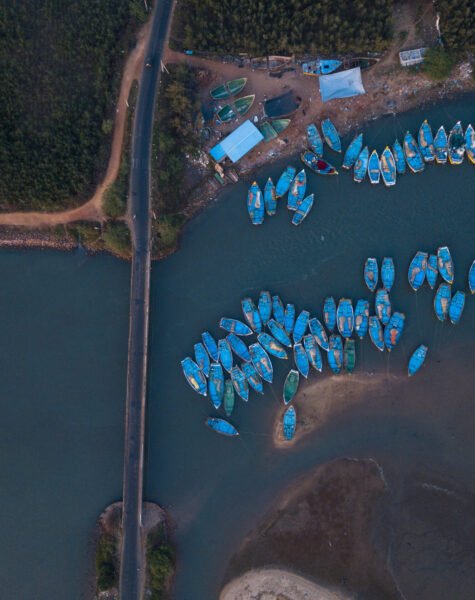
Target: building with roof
238 143
344 84
408 58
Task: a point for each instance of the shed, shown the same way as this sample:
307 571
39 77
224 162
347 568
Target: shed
408 58
344 84
238 143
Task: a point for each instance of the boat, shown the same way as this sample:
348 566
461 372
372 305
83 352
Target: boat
456 307
202 358
442 301
330 135
255 204
300 327
441 146
432 271
262 362
289 318
387 166
320 66
210 344
349 355
243 105
251 314
417 360
470 143
278 310
221 426
238 347
426 142
371 273
284 182
471 278
225 354
345 317
270 203
374 173
394 329
313 352
230 88
316 164
413 154
314 139
399 158
280 124
234 326
417 270
456 144
228 400
240 383
445 264
253 377
297 190
291 385
225 114
388 273
353 151
289 423
361 165
216 384
376 332
271 345
302 210
264 306
361 318
329 313
318 331
335 353
194 376
279 333
301 359
382 305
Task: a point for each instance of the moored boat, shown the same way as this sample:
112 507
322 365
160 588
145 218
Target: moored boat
316 164
255 204
471 278
361 318
353 151
278 310
398 154
432 271
270 203
302 210
441 146
426 142
289 423
239 347
313 352
417 270
388 273
314 139
345 317
240 383
394 329
413 154
456 144
225 354
470 143
374 173
251 314
279 333
291 385
262 362
297 190
301 359
221 426
234 326
271 345
210 345
230 88
376 332
285 181
349 355
329 313
387 166
216 384
335 353
228 400
445 264
361 165
194 376
289 318
202 358
442 301
371 273
456 307
318 331
264 306
300 326
253 377
382 306
417 360
331 135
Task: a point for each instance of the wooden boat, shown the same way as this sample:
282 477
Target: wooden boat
353 151
470 143
255 204
280 124
361 318
264 306
285 181
270 203
432 271
240 383
442 300
393 330
313 352
413 154
314 139
456 307
349 355
228 400
417 360
382 306
387 166
301 359
210 344
345 317
251 314
417 270
335 353
388 273
398 154
230 88
279 333
320 66
291 385
221 426
376 332
456 144
361 165
445 264
426 142
239 347
278 310
471 278
234 326
297 190
202 358
216 384
302 210
329 313
225 354
441 147
330 135
289 318
301 325
243 105
319 333
194 376
371 273
374 173
316 164
253 377
225 114
271 345
289 423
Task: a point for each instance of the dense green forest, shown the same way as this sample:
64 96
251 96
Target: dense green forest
273 27
457 24
61 67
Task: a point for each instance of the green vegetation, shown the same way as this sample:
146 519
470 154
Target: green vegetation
301 26
438 63
160 563
116 236
106 563
457 24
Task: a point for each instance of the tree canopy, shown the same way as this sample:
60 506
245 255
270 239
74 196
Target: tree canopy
457 23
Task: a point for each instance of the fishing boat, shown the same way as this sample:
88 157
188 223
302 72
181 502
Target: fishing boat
270 203
318 331
329 313
240 383
280 124
371 273
314 139
361 165
291 385
471 278
442 301
278 310
202 358
470 143
445 264
228 400
216 384
221 426
413 154
320 66
313 352
225 354
456 307
289 423
234 326
285 181
251 314
432 271
417 270
398 154
388 273
394 329
374 173
297 190
262 362
301 325
330 135
264 306
225 114
243 105
210 344
345 317
316 164
279 333
255 204
230 88
417 360
253 377
382 306
194 376
335 353
441 147
349 355
302 210
376 332
301 359
289 318
456 144
238 347
271 345
426 142
353 151
361 318
387 166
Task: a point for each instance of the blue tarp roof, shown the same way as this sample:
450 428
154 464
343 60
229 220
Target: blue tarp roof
238 143
341 85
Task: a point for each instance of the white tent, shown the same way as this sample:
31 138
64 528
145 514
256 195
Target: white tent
341 85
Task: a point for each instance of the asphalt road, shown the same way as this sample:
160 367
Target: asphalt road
131 574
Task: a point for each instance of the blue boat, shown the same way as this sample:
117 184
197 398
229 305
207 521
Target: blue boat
194 376
239 347
361 318
278 310
382 305
264 306
456 307
253 377
361 165
353 151
235 326
432 271
417 359
202 358
456 144
301 325
445 264
297 190
329 313
251 314
388 273
335 353
240 383
301 359
216 384
279 333
470 143
271 345
255 204
317 164
345 317
471 278
320 66
376 332
371 273
318 331
330 135
398 154
221 426
225 354
210 345
314 139
262 362
284 182
441 146
313 352
387 166
374 173
289 423
426 142
413 154
289 318
302 210
394 329
417 270
442 301
270 202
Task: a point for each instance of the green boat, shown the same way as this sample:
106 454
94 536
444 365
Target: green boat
290 386
225 114
349 355
267 131
243 105
230 88
228 401
280 124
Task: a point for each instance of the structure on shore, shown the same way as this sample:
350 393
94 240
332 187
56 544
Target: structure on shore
409 58
238 143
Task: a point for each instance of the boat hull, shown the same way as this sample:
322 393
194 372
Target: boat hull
371 273
417 360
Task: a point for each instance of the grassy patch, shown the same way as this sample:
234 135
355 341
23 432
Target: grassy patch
117 239
106 563
160 564
438 63
165 233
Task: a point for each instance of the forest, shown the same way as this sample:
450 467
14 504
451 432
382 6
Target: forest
457 24
275 27
61 69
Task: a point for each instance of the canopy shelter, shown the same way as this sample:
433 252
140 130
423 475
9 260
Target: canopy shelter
341 85
238 143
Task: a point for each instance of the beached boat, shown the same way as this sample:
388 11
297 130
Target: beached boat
417 270
471 278
302 210
230 88
289 423
225 114
320 66
361 318
413 154
432 271
291 385
210 345
255 204
382 306
264 306
289 318
253 377
216 384
387 166
417 360
225 354
285 181
234 326
345 317
228 400
251 314
398 154
240 383
271 345
394 329
297 190
239 347
270 203
313 352
374 173
316 164
262 362
456 144
441 146
331 135
442 300
456 307
470 143
376 332
202 358
194 376
301 359
243 105
349 355
318 331
353 151
361 165
300 327
278 310
314 139
279 333
445 264
426 142
221 426
329 313
335 353
371 273
279 125
388 273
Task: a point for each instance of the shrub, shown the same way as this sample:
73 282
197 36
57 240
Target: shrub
438 63
116 237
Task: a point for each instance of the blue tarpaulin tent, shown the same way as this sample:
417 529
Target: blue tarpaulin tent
238 143
341 85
